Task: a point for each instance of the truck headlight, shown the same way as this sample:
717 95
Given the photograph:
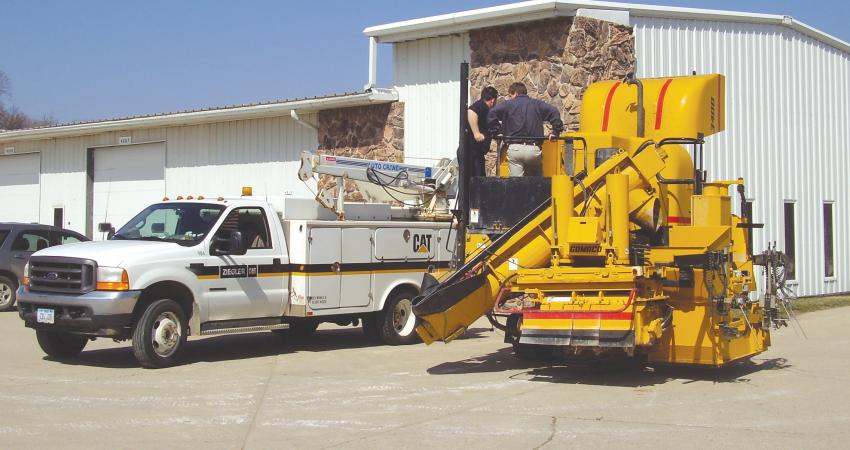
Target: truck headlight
112 279
26 280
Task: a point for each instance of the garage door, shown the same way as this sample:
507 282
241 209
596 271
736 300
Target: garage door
126 179
19 190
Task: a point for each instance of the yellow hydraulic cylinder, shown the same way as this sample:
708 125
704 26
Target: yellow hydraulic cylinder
618 215
562 198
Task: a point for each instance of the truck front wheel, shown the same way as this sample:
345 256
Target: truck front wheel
160 335
397 324
60 345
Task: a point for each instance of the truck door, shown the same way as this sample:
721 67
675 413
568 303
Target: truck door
355 277
252 285
323 268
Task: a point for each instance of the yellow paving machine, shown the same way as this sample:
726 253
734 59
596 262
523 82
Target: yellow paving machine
621 248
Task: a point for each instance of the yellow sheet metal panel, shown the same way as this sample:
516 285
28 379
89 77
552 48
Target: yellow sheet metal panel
584 230
674 106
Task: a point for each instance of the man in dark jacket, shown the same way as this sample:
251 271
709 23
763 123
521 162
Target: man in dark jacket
520 121
478 139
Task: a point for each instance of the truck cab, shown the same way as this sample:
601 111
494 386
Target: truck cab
196 266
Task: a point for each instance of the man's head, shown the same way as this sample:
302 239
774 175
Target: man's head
489 95
517 89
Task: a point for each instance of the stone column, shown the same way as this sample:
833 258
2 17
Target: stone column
368 132
555 58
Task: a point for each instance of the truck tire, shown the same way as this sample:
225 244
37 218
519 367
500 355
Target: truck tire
7 293
396 323
160 335
299 329
60 345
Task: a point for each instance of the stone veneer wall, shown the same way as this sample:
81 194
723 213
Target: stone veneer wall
368 132
555 58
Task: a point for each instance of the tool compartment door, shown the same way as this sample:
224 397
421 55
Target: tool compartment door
405 244
356 276
323 266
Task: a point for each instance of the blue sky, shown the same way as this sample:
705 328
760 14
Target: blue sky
84 60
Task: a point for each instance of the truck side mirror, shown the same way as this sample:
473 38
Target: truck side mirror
158 227
106 227
230 246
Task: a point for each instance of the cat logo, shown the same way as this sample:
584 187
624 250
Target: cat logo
422 243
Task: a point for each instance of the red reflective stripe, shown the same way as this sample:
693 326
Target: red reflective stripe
677 219
579 315
608 106
659 109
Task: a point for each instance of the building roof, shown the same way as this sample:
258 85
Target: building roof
544 9
207 115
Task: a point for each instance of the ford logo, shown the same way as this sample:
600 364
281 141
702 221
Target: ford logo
53 276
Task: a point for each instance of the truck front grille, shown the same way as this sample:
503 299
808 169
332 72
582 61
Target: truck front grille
65 275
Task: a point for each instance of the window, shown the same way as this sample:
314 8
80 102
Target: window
251 222
60 238
790 243
31 241
58 217
182 223
828 261
3 234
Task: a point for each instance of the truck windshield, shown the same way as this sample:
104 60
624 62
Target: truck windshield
183 223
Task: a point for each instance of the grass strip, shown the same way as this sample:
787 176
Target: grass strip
809 304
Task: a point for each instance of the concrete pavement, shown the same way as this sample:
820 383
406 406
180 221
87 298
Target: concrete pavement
339 390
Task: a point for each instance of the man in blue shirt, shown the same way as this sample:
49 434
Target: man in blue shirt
519 121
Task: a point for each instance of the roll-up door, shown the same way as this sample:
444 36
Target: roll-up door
126 180
19 189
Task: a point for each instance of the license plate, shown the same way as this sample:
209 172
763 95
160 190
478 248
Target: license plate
44 315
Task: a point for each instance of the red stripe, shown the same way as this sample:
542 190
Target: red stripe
608 106
659 109
677 219
579 315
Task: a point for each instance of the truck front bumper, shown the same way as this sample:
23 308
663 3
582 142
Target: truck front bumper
96 313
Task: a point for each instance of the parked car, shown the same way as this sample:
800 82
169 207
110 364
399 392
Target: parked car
17 242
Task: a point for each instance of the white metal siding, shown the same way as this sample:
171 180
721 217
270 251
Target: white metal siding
427 74
220 158
787 126
210 159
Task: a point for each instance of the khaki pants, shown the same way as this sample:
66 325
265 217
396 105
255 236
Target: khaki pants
524 159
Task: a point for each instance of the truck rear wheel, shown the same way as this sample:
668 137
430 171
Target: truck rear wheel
160 335
397 324
7 293
60 345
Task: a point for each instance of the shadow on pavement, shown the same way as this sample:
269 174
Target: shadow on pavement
243 346
626 373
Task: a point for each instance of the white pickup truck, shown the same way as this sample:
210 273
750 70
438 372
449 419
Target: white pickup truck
211 266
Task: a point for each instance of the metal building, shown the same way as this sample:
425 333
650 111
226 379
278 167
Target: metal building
79 175
788 132
787 97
